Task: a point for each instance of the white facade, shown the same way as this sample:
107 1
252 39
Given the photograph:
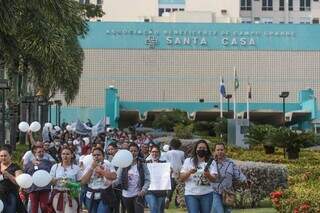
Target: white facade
227 11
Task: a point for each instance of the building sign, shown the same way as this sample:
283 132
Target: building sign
202 36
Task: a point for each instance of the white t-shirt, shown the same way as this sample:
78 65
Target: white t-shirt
197 183
96 182
133 182
29 156
100 182
176 159
72 173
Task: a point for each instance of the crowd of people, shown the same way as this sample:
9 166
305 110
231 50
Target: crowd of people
198 179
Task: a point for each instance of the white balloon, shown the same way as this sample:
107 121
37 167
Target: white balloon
166 147
24 181
87 161
23 126
86 140
35 126
48 126
69 128
1 206
41 178
122 159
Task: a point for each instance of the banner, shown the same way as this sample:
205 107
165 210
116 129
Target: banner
160 176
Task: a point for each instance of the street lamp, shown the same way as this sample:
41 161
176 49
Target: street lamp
58 111
228 97
284 95
4 85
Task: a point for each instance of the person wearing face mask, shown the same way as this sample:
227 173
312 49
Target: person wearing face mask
198 172
55 150
98 177
38 196
156 199
135 181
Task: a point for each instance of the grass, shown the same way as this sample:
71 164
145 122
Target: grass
257 210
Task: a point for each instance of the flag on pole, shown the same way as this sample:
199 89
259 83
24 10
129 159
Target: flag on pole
222 88
249 91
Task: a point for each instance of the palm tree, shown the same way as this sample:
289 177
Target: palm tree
259 134
39 45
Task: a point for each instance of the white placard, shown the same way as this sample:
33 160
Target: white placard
160 176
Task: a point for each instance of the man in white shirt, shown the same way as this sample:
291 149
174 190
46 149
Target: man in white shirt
176 158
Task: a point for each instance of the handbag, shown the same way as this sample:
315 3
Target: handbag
228 195
228 198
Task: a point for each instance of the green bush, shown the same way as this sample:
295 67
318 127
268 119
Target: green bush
182 131
265 178
167 120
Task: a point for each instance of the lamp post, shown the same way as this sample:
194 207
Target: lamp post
58 111
4 85
228 97
284 95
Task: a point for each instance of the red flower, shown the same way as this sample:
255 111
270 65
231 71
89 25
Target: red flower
276 194
304 206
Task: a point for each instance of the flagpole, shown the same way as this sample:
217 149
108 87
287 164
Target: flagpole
234 95
248 117
221 100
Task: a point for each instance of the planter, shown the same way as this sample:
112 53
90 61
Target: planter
268 149
293 154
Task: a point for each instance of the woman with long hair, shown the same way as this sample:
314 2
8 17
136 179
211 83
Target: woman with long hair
64 173
9 190
156 199
198 172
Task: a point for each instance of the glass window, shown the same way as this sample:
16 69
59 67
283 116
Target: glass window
267 5
281 5
245 4
290 4
305 5
161 10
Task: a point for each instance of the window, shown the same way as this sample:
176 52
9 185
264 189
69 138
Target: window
305 20
290 5
315 21
181 9
87 1
161 10
99 2
246 20
267 5
174 9
305 5
81 1
281 5
245 5
168 10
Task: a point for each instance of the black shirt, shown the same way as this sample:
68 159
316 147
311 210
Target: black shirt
6 185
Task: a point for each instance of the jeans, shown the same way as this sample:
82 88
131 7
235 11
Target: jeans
10 204
217 206
199 203
96 206
156 204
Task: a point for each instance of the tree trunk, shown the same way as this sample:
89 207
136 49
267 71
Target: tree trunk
269 149
293 154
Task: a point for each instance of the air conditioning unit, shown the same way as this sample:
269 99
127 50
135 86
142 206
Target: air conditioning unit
224 12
